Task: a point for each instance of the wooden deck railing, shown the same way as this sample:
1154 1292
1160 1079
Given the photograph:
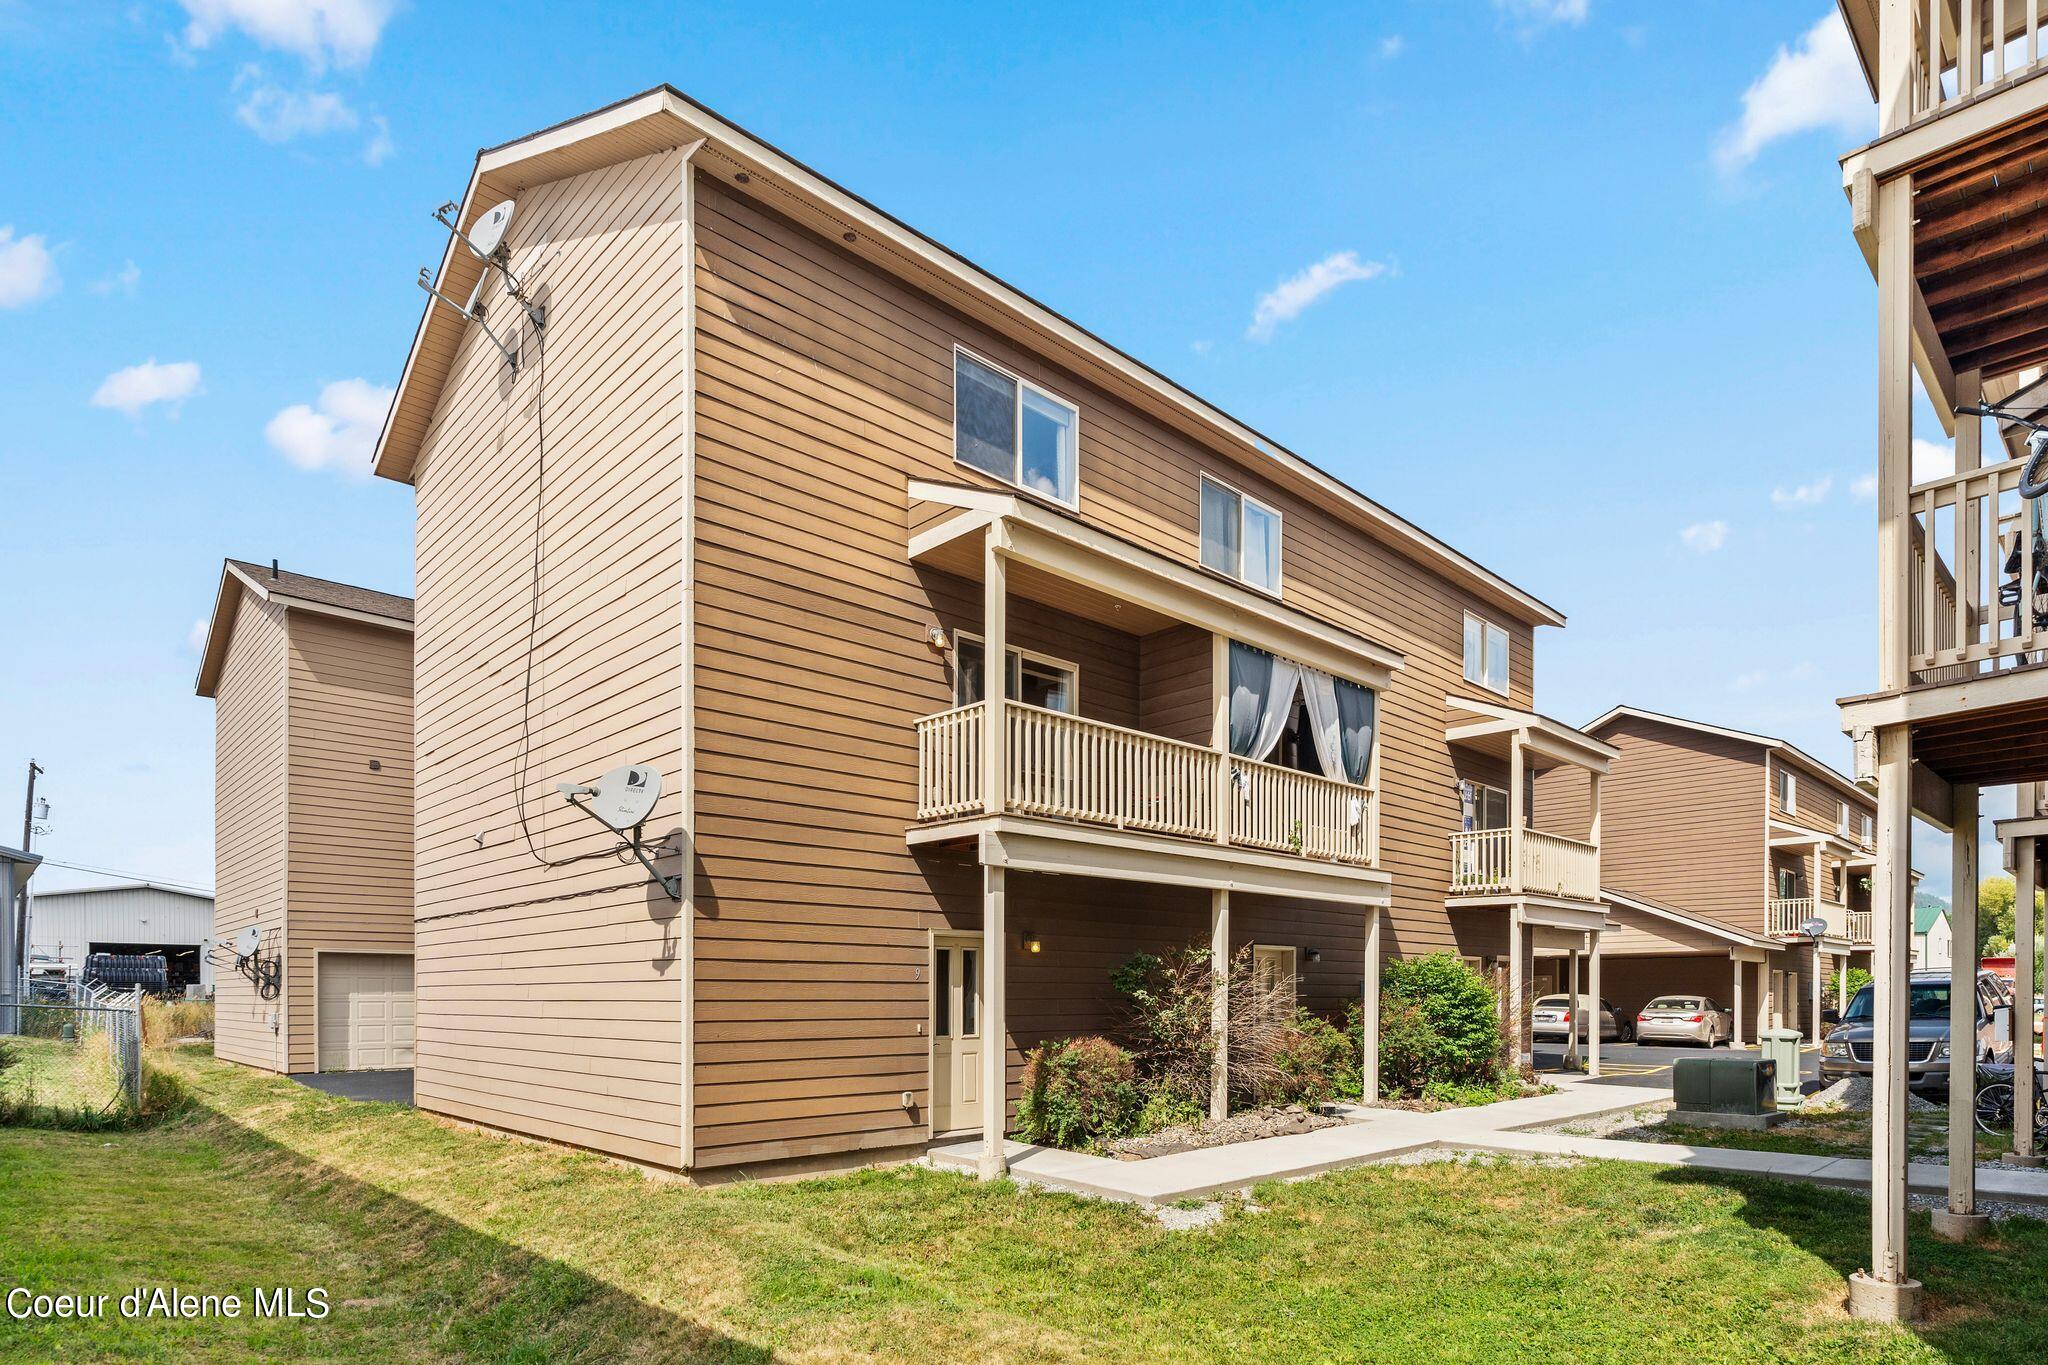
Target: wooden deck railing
1859 926
1485 861
1997 41
1067 768
1965 613
1784 916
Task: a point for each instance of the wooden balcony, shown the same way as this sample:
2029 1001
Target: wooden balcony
1524 862
1785 915
1065 768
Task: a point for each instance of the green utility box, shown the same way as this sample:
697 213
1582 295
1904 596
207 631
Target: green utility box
1743 1085
1781 1045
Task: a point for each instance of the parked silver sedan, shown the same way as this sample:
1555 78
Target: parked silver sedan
1685 1019
1551 1017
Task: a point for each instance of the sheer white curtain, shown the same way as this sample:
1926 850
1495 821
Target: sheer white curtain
1262 690
1319 693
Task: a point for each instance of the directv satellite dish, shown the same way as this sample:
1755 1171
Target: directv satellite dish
1814 928
622 798
247 942
488 231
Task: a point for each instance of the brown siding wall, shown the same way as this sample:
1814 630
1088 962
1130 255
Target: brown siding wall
249 827
822 387
350 855
548 971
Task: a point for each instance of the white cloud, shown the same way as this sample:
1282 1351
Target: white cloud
379 148
1932 459
122 281
1805 495
1286 300
1705 537
1864 489
27 269
1392 46
1202 347
337 432
1746 682
140 386
195 638
1534 14
276 114
343 32
1814 84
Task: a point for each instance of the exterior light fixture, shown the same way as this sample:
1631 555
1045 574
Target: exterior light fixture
1033 943
935 636
1312 954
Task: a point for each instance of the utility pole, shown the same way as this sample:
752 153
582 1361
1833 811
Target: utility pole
28 832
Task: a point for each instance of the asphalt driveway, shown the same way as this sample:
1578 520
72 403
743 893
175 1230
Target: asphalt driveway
1648 1064
388 1087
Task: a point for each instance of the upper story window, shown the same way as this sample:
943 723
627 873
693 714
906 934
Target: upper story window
1863 826
1486 654
1240 536
1787 789
1843 825
1034 679
1007 427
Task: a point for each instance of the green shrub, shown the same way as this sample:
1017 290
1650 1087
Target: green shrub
1312 1061
1164 1109
1167 1009
1439 1023
1078 1093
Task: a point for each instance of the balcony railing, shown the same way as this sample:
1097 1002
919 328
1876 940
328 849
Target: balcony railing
1063 767
1523 862
2002 41
1784 916
1965 612
1859 926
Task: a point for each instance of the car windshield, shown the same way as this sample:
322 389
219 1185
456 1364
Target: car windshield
1675 1002
1930 1001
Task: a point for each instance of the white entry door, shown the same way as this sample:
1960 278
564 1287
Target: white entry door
956 1032
365 1004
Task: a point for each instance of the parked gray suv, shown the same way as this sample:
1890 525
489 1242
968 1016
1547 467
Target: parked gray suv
1847 1049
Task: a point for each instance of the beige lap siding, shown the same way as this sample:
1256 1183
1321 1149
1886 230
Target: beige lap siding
249 826
555 1007
823 387
350 882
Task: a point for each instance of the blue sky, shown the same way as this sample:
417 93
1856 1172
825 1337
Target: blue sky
1568 282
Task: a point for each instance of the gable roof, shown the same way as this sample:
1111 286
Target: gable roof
293 591
194 893
1673 914
1827 772
663 119
1925 913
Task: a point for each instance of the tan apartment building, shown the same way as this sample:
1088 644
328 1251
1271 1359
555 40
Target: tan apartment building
312 688
1944 204
728 473
1719 848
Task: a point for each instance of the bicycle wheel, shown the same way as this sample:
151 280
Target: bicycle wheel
1994 1108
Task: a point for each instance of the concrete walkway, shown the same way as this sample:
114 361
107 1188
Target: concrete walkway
1373 1135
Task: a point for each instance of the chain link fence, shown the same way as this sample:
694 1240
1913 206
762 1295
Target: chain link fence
72 1054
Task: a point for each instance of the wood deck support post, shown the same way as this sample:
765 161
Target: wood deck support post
1219 731
1820 972
1842 982
1960 1220
1886 1292
1572 1030
995 674
1219 1002
1593 989
1369 1010
2027 878
1516 979
1895 63
995 1028
1518 812
1893 220
1738 999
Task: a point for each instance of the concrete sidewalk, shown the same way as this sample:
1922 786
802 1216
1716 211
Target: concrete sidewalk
1373 1135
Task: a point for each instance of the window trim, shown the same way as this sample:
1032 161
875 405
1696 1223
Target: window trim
1067 666
1507 648
1017 428
1291 956
1788 782
1280 539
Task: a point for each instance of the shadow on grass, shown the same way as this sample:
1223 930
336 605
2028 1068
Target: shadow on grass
1984 1300
207 1204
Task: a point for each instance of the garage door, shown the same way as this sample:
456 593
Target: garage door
366 1020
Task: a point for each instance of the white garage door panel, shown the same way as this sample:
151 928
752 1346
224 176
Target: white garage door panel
366 1011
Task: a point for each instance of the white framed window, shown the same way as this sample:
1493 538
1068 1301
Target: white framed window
1274 978
1009 428
1863 826
1486 654
1787 789
1240 536
1032 678
1842 826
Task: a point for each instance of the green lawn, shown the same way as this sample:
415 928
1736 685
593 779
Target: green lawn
438 1244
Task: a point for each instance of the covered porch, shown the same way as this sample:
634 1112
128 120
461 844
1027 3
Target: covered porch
1500 855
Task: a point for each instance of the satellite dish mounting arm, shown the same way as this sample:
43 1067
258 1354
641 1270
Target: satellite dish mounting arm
672 885
475 315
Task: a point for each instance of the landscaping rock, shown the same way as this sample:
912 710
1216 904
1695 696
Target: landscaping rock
1854 1093
1250 1126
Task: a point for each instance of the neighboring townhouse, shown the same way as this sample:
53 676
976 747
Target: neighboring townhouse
758 492
312 688
1933 938
1718 848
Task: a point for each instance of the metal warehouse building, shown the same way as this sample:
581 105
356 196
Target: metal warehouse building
125 917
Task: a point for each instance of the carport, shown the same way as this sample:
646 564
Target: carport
1654 949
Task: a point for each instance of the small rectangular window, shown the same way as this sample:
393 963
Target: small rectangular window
1009 428
1033 679
1788 791
1486 654
1240 536
970 993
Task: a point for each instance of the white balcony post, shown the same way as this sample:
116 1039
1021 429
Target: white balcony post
1571 1013
995 673
995 1031
1969 526
1369 1010
1886 1292
1219 1002
1219 730
1893 217
1738 999
1593 989
1842 982
1518 766
1593 829
1960 1220
1515 984
1895 63
1820 972
2027 870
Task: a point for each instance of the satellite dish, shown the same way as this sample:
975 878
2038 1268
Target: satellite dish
623 797
1814 928
247 942
488 231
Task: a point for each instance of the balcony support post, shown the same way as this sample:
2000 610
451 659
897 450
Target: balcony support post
1518 811
995 674
1738 1000
1219 1003
1517 1012
1895 63
1886 1292
1842 982
1593 989
1896 288
1369 1010
995 1028
2027 874
1969 526
1219 730
1960 1221
1820 972
1571 1010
